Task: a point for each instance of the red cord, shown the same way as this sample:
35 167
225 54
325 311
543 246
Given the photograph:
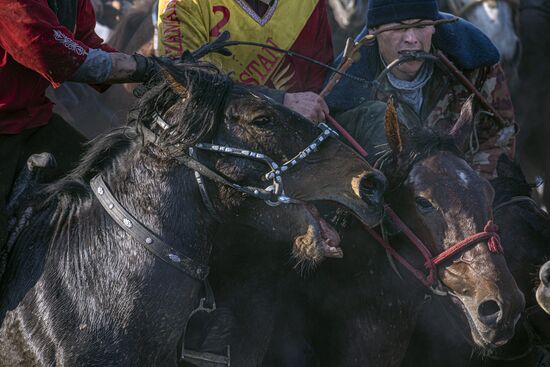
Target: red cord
346 135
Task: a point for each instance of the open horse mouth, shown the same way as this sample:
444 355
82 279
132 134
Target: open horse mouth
321 239
329 237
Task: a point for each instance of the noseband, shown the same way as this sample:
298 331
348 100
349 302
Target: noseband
431 262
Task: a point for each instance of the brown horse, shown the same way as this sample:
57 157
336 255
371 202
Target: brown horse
525 234
111 263
358 310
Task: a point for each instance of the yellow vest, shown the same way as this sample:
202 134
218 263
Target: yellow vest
188 24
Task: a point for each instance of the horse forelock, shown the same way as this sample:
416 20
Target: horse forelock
195 95
420 144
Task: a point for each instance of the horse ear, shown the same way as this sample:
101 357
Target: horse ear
393 131
464 125
466 117
177 87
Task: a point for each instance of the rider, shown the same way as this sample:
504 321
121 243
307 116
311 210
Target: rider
300 26
425 94
43 43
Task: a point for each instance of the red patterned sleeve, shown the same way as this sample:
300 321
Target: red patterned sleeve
31 34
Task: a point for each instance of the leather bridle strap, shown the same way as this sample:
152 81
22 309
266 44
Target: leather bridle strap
430 262
144 236
273 194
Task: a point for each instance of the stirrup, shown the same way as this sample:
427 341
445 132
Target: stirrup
192 358
205 359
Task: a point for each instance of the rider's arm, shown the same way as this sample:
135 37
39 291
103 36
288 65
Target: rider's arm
494 141
182 25
32 35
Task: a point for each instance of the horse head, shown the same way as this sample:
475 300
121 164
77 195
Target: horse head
446 202
264 150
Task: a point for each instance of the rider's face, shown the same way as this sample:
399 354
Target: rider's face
391 43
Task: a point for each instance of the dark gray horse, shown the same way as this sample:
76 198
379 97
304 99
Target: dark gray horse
101 280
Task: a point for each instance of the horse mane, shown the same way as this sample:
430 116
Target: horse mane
193 119
420 143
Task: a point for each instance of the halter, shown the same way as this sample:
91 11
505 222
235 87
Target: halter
431 262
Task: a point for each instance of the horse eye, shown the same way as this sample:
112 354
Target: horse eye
261 120
423 204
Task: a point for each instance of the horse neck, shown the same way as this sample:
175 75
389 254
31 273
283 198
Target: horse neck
166 201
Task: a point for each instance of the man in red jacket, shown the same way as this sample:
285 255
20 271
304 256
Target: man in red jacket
43 43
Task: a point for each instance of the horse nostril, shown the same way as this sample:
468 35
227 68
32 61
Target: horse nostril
489 312
372 188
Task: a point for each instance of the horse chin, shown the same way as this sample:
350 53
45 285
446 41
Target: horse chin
485 338
320 240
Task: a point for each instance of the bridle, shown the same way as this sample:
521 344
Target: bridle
428 275
274 194
462 10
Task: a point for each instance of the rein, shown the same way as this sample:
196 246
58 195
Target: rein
431 262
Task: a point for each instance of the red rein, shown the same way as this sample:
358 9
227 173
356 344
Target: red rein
346 135
489 233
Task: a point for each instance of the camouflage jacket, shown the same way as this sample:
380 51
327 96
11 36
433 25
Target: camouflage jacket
443 98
